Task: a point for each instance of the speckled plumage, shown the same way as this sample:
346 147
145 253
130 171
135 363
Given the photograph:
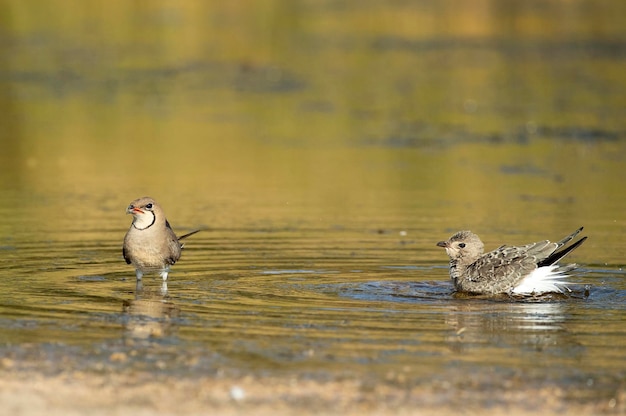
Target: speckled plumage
528 269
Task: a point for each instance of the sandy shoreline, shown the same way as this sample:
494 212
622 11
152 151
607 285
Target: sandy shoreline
139 394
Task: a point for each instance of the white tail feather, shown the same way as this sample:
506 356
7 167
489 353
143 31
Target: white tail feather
547 279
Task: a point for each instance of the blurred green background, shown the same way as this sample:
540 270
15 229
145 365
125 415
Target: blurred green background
496 115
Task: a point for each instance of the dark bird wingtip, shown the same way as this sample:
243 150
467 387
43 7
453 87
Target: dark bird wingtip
190 234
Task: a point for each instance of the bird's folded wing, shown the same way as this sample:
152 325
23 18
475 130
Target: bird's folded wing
125 255
174 248
509 263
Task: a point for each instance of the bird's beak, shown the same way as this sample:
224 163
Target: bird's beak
443 244
133 210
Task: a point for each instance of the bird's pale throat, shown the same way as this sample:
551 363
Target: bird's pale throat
145 220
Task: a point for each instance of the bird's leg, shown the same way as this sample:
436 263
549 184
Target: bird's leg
164 273
139 274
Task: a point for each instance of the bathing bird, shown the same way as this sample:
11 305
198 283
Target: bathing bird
530 269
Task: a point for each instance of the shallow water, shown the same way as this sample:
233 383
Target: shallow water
324 162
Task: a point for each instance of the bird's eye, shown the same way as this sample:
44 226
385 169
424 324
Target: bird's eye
149 206
461 245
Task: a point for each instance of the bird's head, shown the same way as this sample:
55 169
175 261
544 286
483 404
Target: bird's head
464 245
144 211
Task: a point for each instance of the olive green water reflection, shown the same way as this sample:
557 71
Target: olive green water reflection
326 146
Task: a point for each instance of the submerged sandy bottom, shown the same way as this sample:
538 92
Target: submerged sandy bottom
146 394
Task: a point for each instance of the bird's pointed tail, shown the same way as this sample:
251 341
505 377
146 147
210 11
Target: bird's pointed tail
560 253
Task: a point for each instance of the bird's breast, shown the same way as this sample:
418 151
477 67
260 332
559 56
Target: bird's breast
150 248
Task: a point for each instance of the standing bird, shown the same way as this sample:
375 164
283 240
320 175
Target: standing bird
520 270
150 244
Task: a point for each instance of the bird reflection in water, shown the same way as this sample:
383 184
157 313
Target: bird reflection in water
150 314
536 326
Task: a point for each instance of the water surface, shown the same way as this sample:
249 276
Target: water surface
325 148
